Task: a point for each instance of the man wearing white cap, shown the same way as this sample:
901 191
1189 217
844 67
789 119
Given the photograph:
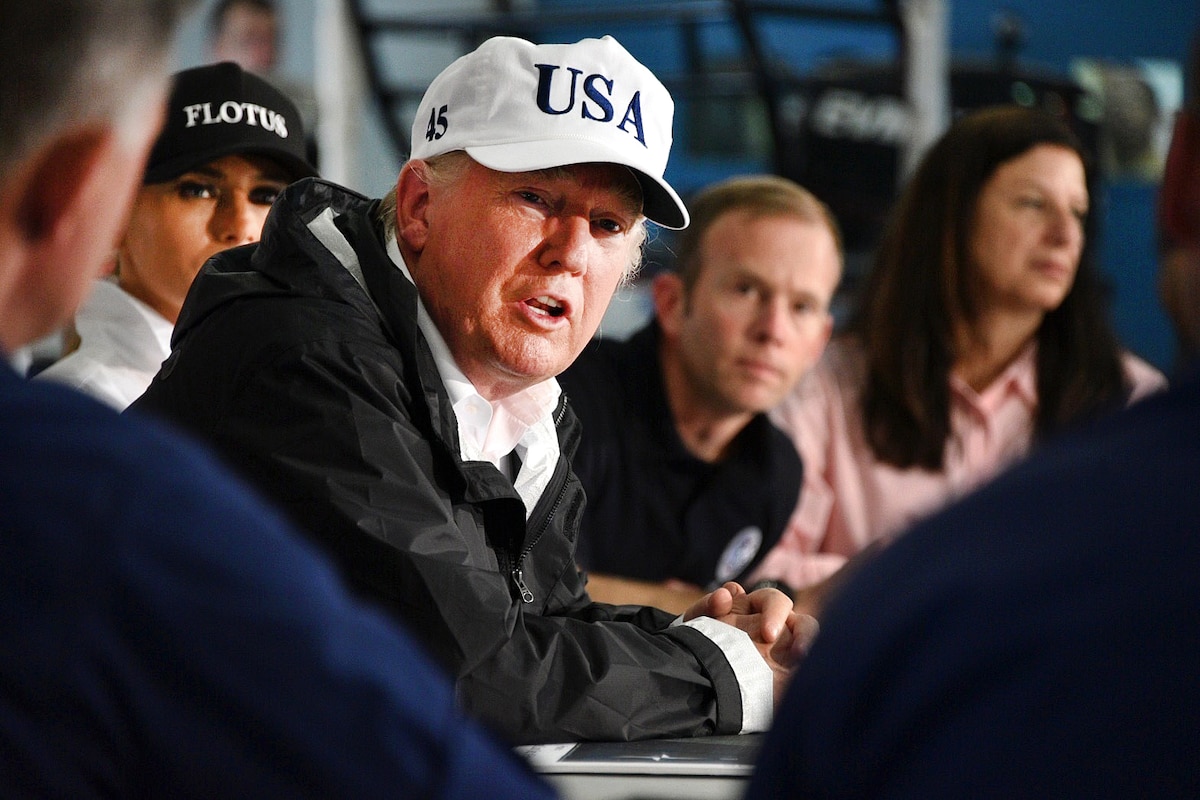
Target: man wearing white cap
385 371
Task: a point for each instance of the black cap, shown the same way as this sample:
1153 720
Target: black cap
219 110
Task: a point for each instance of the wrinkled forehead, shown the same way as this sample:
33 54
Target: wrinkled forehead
1044 166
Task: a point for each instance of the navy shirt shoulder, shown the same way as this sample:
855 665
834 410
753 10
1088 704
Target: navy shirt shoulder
166 634
655 511
1038 638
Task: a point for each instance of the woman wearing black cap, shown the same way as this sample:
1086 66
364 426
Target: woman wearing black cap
229 145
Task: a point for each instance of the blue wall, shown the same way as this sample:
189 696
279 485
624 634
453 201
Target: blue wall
1056 33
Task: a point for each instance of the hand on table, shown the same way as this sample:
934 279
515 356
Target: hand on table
781 635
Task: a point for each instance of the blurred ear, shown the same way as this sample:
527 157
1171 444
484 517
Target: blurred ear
670 302
62 210
51 200
412 207
826 333
828 326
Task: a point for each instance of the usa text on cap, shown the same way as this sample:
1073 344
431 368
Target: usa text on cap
515 106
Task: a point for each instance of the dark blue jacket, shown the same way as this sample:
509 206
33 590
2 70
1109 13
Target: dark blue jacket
163 635
1041 638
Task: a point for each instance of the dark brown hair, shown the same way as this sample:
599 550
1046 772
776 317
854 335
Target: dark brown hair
919 289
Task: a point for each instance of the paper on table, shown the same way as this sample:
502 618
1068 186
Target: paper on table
706 755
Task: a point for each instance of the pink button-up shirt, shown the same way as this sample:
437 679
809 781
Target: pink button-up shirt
849 499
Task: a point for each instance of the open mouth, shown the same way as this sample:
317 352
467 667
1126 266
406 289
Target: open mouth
547 305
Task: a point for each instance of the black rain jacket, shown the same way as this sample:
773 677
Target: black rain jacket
300 360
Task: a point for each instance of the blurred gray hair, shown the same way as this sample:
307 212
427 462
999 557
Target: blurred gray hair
68 63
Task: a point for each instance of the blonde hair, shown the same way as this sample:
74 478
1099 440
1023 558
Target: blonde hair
756 195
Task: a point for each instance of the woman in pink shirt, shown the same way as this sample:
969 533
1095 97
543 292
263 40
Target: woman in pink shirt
981 330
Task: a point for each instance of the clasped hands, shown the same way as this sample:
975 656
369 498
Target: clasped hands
781 635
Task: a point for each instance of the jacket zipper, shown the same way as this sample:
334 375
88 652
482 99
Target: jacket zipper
518 577
518 574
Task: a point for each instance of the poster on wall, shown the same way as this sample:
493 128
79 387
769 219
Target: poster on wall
1133 104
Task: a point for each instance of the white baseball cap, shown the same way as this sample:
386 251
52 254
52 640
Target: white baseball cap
515 106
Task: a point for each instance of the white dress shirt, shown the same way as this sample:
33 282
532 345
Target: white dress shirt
123 342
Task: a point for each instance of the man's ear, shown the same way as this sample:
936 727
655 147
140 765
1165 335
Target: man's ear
826 335
670 302
412 207
61 211
51 189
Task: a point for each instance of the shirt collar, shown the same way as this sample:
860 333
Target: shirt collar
487 431
1022 373
1018 378
113 318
